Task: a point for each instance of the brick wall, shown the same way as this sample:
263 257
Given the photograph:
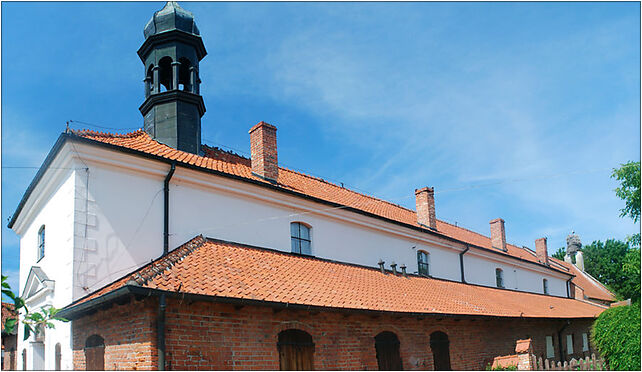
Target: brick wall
129 332
203 335
9 353
263 150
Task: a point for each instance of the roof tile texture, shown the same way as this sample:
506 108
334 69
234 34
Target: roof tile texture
216 268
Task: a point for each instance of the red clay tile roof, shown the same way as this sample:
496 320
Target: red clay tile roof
230 163
592 288
216 268
8 312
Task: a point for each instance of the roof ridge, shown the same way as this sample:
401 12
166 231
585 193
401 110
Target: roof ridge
94 133
228 152
160 265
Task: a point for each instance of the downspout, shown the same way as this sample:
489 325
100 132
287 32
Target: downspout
461 263
559 339
160 324
166 209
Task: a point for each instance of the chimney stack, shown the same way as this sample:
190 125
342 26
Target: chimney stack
498 234
541 250
263 148
425 200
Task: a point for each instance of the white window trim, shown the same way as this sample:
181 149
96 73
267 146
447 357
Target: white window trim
569 344
550 348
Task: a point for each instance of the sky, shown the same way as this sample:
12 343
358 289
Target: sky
511 110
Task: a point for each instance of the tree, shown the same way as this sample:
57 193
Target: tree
33 321
616 333
559 254
606 263
629 191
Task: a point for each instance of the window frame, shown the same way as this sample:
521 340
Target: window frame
299 239
499 278
41 243
421 264
585 343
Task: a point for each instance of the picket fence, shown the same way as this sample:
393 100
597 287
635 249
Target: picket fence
585 364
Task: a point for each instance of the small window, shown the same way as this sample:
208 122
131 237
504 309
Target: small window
58 357
569 344
300 238
24 359
499 278
585 342
550 350
41 242
545 285
422 263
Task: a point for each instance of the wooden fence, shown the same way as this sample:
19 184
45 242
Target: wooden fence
586 364
525 360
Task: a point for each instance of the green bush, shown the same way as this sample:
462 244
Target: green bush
616 334
507 368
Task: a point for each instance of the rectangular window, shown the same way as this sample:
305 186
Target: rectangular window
550 351
41 242
499 278
569 344
300 238
584 342
545 284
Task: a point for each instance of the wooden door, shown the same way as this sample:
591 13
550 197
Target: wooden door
296 351
95 353
388 356
439 344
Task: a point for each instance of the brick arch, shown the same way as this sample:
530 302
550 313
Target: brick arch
294 324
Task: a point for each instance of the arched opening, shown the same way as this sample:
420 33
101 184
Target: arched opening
24 359
439 345
388 356
149 81
295 350
183 75
95 353
58 352
165 74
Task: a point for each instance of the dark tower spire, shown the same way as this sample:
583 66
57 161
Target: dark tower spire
171 53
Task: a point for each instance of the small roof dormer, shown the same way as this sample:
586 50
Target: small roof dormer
171 17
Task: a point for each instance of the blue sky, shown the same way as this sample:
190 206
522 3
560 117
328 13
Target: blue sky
511 110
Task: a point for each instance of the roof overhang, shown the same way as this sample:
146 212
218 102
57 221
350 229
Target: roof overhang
121 295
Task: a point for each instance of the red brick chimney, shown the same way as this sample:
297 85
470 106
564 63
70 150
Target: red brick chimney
541 250
263 148
498 234
425 199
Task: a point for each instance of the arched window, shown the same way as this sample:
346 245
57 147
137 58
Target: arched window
24 359
95 353
41 242
58 357
149 81
423 265
183 74
295 350
387 348
300 238
439 346
165 73
545 285
499 277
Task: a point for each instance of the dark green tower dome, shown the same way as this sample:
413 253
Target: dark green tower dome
171 54
171 17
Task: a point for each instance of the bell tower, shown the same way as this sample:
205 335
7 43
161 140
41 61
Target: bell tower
171 53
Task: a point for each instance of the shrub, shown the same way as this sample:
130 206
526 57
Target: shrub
616 334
